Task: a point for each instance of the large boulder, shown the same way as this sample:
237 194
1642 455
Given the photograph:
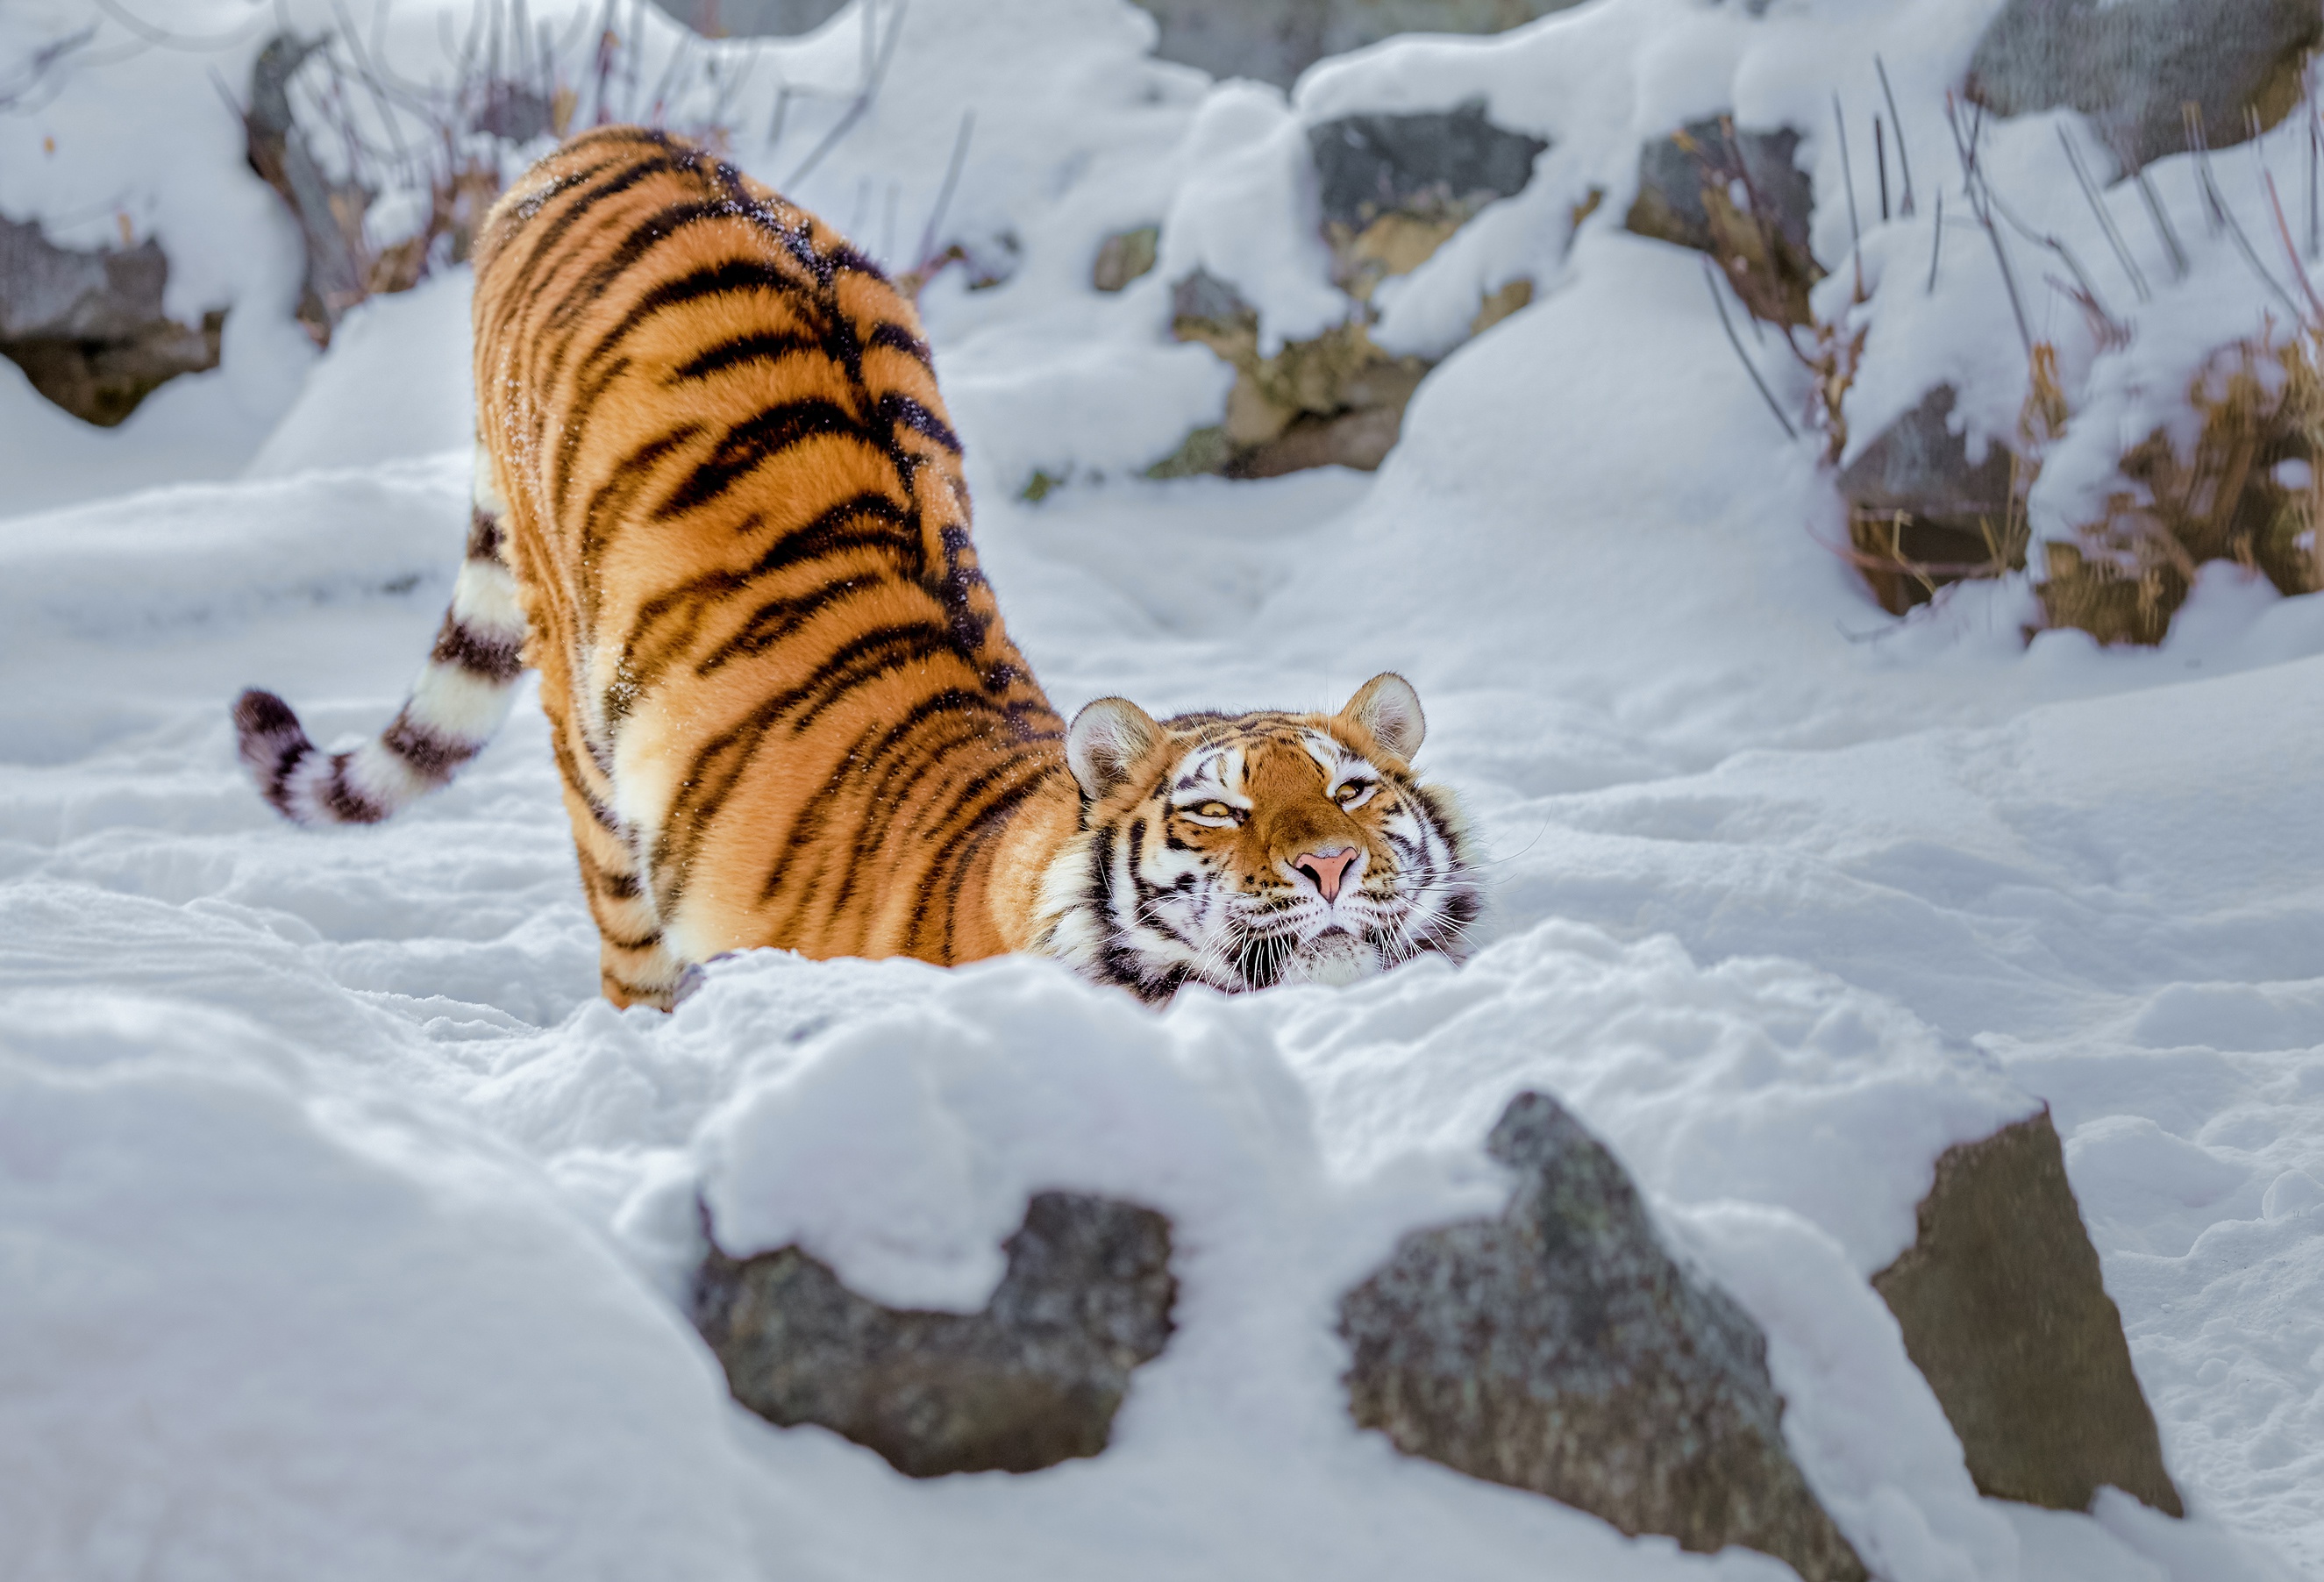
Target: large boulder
2006 1314
1031 1381
1922 514
88 326
741 19
1336 398
1688 185
1395 187
1560 1349
2130 66
1274 41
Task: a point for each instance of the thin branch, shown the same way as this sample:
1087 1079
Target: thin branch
2161 222
2096 201
1903 161
2222 217
176 40
862 102
952 169
1936 244
1710 281
1848 179
2299 270
1972 180
1880 158
36 67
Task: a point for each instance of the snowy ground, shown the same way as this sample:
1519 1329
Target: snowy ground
343 1228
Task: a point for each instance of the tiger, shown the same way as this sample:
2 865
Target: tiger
719 507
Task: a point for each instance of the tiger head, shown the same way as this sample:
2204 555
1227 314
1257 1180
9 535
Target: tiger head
1243 851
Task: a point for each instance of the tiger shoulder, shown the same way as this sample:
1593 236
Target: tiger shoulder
719 507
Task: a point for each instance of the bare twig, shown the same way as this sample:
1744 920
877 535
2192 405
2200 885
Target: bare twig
2222 217
37 66
1979 193
1848 179
2049 242
2161 222
2299 270
176 41
1936 244
1903 161
1710 282
2096 201
1880 158
855 111
952 169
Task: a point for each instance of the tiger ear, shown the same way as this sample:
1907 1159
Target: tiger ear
1105 743
1388 708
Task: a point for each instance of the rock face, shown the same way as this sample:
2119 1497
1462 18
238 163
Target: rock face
1031 1381
1921 516
87 328
2005 1313
1395 187
1337 398
2129 65
739 19
1561 1350
1125 256
1274 41
1686 187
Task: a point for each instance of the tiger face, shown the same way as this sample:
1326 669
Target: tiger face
1252 849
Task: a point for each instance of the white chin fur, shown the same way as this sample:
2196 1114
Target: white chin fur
1335 958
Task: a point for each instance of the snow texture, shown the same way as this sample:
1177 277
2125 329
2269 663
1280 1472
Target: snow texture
344 1231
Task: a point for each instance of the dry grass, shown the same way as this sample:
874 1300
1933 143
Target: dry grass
2231 498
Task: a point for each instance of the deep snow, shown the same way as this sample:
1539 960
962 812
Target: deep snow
343 1230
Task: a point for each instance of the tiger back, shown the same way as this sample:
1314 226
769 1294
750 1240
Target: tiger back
720 508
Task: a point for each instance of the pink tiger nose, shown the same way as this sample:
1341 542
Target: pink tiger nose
1326 871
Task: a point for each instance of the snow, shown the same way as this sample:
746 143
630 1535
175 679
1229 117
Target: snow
346 1230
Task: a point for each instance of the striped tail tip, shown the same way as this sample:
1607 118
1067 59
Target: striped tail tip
307 786
273 745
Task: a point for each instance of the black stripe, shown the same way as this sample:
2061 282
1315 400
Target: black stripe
488 658
899 408
518 294
431 755
484 535
644 237
614 496
829 534
726 278
755 440
781 618
347 805
768 347
896 337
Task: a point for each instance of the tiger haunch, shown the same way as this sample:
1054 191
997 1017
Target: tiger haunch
720 508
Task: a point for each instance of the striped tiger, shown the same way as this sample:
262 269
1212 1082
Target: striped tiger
719 507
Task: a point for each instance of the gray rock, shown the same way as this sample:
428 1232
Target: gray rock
88 326
1559 1348
1426 163
1274 41
1921 516
2006 1314
1032 1380
1125 256
1688 184
2129 65
752 19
